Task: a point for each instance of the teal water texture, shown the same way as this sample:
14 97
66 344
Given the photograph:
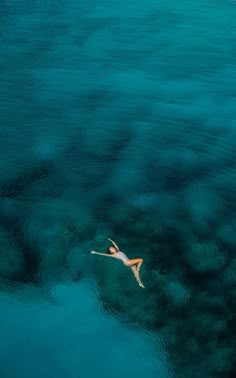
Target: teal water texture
117 119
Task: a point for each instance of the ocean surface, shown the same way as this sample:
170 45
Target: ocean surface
117 120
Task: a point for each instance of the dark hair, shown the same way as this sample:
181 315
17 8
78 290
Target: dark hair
111 246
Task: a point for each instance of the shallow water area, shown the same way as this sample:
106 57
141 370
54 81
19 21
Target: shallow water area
69 336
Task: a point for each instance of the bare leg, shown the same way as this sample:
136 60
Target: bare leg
139 265
131 262
137 262
135 265
136 275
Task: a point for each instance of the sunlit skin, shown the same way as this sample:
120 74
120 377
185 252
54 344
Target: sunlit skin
134 264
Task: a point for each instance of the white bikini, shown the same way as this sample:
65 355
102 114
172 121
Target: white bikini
121 256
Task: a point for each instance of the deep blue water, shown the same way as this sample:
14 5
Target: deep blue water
117 119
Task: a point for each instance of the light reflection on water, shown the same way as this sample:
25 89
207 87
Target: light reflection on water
72 337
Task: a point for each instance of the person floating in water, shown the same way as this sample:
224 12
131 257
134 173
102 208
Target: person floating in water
134 264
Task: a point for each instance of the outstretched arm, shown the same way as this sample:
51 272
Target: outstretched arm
115 245
102 254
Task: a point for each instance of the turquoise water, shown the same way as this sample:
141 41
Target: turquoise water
117 119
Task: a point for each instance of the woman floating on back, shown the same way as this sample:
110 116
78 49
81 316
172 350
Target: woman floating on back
134 264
